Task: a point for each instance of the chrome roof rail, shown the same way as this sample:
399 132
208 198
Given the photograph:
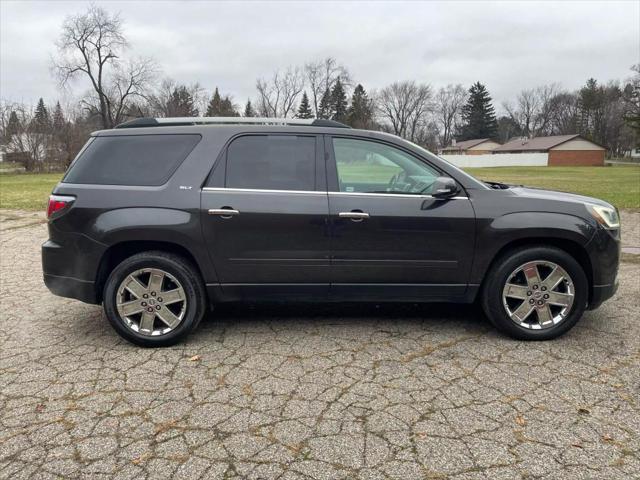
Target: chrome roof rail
178 121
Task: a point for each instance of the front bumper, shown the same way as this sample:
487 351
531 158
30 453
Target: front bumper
604 254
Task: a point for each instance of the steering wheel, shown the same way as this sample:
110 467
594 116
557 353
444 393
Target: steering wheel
399 177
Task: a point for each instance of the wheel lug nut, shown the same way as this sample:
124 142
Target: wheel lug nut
145 295
159 299
532 301
153 294
149 309
546 295
528 293
144 304
535 287
540 302
158 307
544 289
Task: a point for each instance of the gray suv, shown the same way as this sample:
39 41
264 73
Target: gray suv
160 219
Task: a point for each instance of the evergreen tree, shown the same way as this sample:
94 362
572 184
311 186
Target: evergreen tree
215 105
304 111
339 102
360 113
478 115
248 110
325 109
181 104
13 126
41 119
221 106
58 118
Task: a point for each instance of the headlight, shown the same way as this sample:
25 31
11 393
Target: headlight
606 216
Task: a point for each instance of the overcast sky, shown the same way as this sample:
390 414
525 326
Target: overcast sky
507 45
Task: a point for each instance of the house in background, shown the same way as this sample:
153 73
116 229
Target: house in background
478 146
563 150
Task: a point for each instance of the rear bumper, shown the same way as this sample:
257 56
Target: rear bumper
70 269
70 287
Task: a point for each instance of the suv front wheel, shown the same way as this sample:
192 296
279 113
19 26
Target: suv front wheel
535 293
154 299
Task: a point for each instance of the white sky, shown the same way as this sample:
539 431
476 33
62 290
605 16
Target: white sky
508 46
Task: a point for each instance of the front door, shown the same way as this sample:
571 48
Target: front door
390 238
265 218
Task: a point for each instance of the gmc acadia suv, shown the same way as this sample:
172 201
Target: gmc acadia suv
159 219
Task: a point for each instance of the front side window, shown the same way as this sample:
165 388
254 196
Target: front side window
371 167
272 162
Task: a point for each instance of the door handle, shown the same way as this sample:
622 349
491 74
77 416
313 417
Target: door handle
224 212
354 216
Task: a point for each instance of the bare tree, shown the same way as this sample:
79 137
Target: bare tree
90 46
278 96
533 109
321 76
448 105
405 108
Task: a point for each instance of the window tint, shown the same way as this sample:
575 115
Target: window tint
272 162
371 167
146 160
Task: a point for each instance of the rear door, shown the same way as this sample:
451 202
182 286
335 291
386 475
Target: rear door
390 237
265 217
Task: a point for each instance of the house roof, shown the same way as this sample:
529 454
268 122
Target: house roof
537 143
464 145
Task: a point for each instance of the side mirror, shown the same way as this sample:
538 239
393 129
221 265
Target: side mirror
444 187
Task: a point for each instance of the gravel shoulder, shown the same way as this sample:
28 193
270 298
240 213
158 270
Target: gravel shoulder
312 392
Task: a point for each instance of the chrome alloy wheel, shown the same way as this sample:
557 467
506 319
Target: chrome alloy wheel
151 301
538 295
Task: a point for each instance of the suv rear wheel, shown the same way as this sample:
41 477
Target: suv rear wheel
535 293
154 299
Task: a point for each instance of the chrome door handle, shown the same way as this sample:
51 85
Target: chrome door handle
355 216
224 212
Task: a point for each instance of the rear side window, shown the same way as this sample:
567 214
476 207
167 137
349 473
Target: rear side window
145 160
272 162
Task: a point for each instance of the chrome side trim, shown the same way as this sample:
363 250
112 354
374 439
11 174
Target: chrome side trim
315 192
259 190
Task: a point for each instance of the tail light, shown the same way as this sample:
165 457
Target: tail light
58 203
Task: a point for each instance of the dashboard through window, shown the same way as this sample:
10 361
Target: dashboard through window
371 167
272 162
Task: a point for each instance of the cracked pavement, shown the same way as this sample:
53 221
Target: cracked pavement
312 392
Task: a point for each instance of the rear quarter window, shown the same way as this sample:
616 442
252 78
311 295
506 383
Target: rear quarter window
145 160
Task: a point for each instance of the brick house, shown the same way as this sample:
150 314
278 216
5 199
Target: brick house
478 146
563 150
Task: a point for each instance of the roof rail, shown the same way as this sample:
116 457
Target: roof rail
178 121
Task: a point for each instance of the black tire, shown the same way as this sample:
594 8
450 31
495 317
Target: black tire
177 266
491 297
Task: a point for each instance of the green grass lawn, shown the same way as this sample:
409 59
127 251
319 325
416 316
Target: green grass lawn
619 185
27 191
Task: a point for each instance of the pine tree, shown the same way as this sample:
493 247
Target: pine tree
304 111
360 113
325 109
58 118
339 102
221 106
13 126
478 115
181 104
41 119
248 110
215 105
